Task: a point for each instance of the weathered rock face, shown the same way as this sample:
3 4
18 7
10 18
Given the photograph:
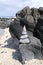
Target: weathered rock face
5 24
41 10
28 17
29 22
25 17
23 12
15 29
38 31
35 14
30 47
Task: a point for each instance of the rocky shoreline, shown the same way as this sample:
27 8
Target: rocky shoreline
14 53
33 21
28 17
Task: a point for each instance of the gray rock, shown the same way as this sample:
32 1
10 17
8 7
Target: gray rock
26 18
35 43
26 53
29 22
15 29
5 24
38 31
23 12
30 51
35 14
41 9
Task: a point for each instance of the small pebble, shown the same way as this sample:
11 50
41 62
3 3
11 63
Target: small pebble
2 52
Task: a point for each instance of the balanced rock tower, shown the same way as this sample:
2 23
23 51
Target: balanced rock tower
24 39
30 47
23 46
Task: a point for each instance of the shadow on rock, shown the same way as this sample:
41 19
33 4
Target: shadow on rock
12 43
17 55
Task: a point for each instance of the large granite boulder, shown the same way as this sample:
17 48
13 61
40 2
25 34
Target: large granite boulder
41 12
5 24
25 17
29 18
29 22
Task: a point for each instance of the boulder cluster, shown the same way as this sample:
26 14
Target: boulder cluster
33 21
28 17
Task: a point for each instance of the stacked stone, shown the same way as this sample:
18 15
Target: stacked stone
24 38
30 47
23 46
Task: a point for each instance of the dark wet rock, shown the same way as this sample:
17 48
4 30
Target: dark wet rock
38 31
15 29
41 10
5 24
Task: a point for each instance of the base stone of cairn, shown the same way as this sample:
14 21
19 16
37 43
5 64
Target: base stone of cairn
30 47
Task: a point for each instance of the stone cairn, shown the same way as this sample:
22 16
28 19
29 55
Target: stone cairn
28 48
24 38
23 43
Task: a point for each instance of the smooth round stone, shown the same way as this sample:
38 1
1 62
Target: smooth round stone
25 40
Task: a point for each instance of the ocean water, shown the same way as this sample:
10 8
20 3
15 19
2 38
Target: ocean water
1 32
